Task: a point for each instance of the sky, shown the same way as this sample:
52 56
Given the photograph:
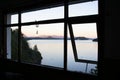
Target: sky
79 9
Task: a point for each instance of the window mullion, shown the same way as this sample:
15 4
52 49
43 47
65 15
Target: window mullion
65 33
19 37
73 42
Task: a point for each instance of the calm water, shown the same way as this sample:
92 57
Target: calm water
52 53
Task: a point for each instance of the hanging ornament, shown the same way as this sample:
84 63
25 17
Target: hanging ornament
37 28
37 32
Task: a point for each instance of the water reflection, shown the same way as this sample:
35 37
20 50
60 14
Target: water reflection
52 52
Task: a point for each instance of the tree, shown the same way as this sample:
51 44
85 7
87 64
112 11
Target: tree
28 55
35 48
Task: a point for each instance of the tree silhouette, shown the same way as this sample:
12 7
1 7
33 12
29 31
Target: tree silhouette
28 55
35 48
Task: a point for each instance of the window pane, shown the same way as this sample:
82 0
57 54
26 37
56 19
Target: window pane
87 48
72 65
46 14
12 43
84 35
82 9
14 18
48 39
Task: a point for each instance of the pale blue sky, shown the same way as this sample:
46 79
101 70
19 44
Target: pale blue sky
80 9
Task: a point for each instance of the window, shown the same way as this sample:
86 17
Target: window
12 43
58 37
85 58
49 40
83 9
46 14
14 18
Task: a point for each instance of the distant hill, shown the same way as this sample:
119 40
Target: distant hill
56 38
81 38
49 37
95 40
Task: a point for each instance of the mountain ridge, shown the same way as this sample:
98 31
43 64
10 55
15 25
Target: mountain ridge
58 38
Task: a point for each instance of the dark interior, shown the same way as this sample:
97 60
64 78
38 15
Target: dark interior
108 42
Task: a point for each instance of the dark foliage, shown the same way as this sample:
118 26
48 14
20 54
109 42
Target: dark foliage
28 55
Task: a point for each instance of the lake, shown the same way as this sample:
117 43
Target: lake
52 52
